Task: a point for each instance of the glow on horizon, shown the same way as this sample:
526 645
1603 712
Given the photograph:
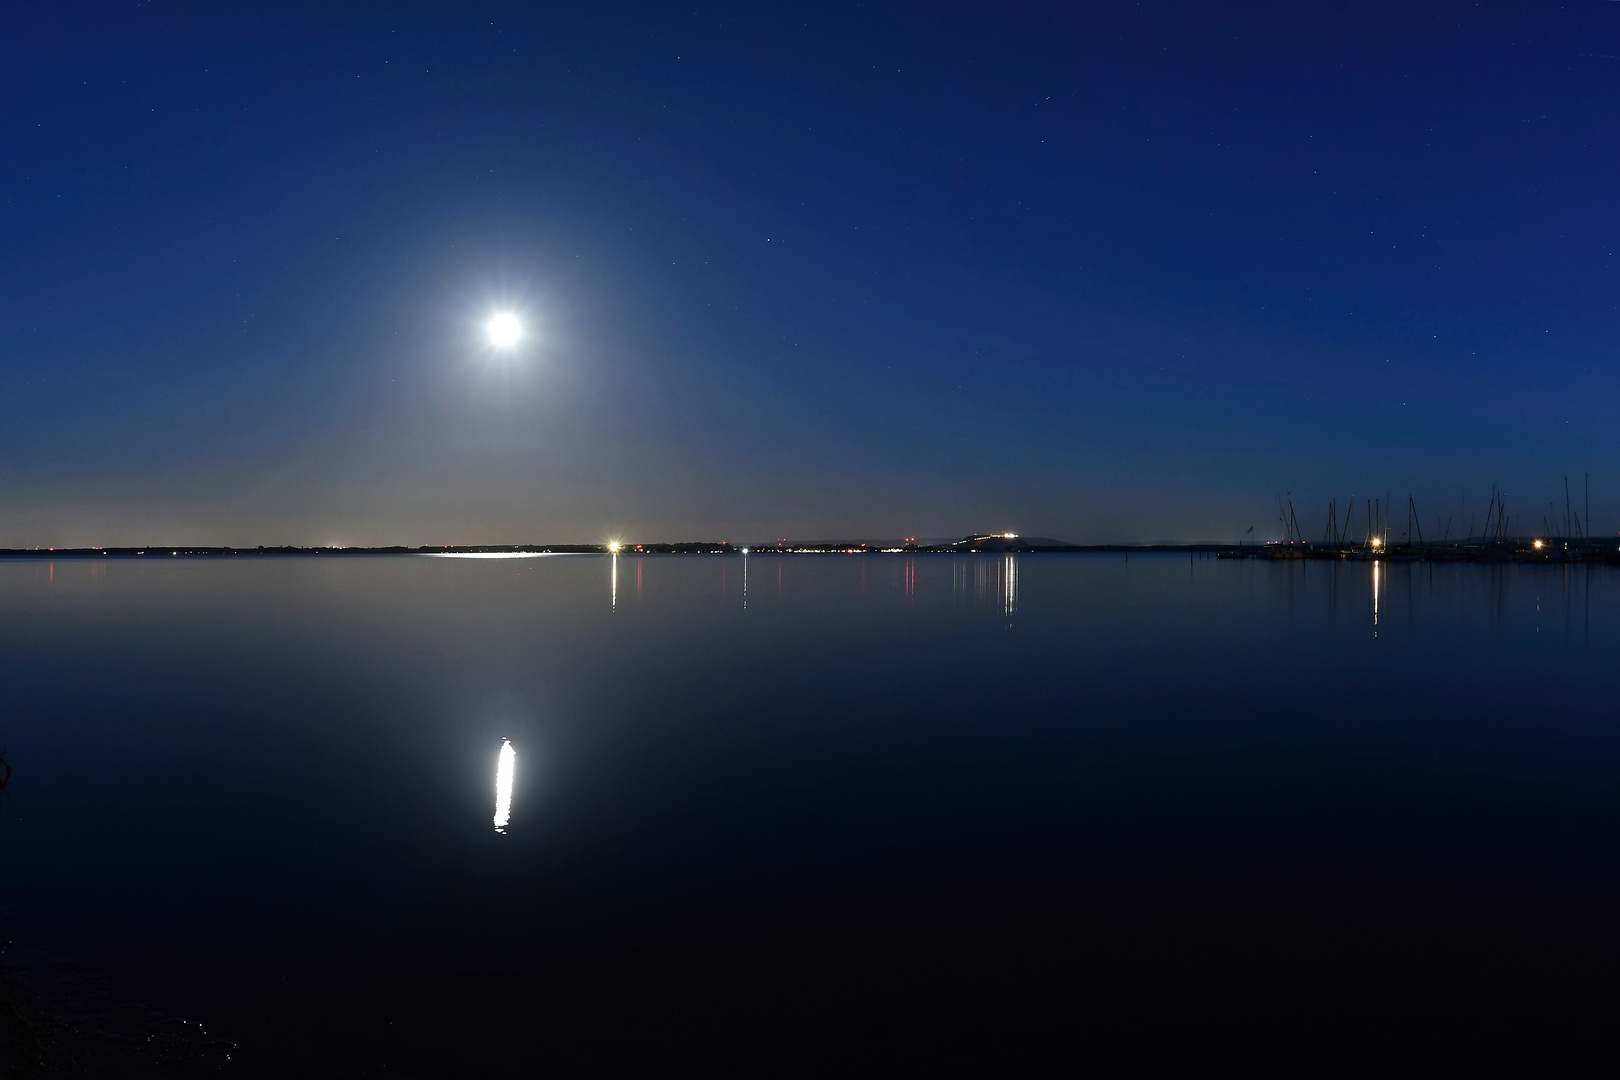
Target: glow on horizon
487 554
505 769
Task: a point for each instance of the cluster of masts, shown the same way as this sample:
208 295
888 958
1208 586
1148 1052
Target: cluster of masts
1372 531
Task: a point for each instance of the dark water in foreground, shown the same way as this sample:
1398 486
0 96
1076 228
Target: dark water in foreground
876 810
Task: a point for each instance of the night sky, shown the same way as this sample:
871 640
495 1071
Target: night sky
1112 272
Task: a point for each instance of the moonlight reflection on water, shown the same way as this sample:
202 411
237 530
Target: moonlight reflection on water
504 768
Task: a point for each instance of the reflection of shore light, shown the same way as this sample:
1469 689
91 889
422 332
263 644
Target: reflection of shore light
505 767
1375 597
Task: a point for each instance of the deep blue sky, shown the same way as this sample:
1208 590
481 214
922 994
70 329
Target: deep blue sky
1103 272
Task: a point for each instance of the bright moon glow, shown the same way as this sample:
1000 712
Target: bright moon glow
504 768
504 330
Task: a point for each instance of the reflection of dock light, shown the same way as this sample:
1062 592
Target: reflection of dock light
505 767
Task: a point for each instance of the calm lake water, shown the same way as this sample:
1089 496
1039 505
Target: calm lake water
803 813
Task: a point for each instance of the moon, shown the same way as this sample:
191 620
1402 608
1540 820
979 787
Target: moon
504 330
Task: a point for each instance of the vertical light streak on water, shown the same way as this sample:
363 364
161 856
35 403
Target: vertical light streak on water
1010 604
745 579
505 768
614 587
1375 597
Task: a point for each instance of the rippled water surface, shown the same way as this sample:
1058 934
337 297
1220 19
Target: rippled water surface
403 816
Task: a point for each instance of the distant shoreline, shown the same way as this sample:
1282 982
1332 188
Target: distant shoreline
515 550
1471 551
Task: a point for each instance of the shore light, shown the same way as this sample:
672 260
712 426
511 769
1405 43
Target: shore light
614 547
